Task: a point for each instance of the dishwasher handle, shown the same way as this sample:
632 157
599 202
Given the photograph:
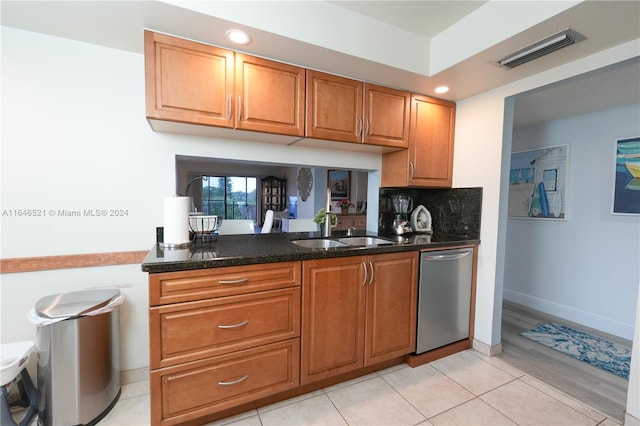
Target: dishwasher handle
445 257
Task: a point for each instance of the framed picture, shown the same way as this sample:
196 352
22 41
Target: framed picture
538 183
339 181
626 179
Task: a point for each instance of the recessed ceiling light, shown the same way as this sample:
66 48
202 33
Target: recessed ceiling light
238 36
442 89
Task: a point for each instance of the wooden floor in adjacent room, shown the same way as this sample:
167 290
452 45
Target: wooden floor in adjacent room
600 389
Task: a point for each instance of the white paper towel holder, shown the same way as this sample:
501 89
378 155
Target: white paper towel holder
176 208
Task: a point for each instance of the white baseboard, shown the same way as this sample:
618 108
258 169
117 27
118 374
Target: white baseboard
132 376
485 349
630 420
574 315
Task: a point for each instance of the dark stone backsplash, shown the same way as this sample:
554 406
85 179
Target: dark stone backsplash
453 211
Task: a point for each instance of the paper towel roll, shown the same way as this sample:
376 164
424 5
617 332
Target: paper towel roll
176 221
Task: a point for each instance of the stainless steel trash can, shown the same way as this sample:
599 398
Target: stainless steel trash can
78 356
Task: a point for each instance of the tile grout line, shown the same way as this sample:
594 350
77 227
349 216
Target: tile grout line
568 397
404 398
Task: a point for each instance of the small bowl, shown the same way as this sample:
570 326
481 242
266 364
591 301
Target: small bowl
202 224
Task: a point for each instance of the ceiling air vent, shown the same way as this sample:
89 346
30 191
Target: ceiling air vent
540 48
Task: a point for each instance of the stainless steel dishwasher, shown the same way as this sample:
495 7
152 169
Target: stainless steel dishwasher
444 298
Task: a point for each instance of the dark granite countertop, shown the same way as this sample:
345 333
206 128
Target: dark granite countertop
230 250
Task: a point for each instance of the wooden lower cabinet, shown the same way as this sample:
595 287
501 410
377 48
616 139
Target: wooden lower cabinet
357 311
194 330
224 340
189 391
392 300
333 307
222 337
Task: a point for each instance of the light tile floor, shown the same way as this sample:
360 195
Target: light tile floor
463 389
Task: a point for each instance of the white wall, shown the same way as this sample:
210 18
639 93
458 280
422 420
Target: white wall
74 136
73 119
480 143
584 269
633 394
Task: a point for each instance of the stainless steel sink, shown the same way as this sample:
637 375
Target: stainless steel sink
323 244
365 241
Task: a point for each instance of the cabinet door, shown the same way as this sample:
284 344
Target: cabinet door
386 113
391 306
270 96
429 160
334 108
431 148
188 82
333 314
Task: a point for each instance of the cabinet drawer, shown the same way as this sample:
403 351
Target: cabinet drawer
360 222
190 391
196 330
343 223
184 286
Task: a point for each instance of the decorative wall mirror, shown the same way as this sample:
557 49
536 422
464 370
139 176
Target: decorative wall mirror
305 182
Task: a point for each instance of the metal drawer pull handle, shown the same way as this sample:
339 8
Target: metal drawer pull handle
233 382
238 281
448 256
240 324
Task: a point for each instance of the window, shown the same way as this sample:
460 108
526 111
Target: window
550 179
230 197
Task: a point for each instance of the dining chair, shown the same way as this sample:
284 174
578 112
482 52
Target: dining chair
302 225
268 222
236 226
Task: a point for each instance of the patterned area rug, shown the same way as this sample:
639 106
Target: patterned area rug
586 347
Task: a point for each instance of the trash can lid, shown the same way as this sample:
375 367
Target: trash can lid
74 303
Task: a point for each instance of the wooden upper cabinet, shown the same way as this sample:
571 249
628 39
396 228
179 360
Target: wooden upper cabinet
386 116
270 96
334 107
429 160
347 110
196 83
188 82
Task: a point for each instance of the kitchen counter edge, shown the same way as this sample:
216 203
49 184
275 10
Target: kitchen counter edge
250 249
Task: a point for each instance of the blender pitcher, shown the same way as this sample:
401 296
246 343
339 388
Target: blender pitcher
402 204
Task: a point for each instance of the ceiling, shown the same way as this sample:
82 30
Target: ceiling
415 45
426 18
